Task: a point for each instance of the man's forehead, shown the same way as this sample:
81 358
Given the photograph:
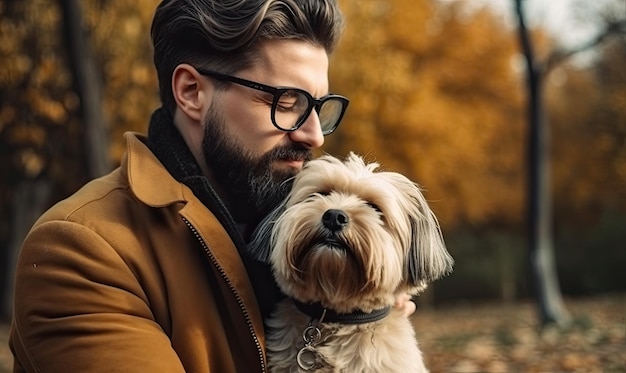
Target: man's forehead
293 63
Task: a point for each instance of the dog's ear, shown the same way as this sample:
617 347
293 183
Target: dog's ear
260 246
428 257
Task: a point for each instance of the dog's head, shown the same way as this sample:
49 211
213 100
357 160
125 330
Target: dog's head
350 237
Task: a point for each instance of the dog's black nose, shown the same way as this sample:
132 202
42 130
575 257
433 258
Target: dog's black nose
335 219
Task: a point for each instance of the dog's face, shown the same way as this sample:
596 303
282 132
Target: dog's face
352 238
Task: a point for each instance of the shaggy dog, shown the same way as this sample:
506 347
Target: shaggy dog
343 245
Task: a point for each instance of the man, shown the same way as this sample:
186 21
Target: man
145 269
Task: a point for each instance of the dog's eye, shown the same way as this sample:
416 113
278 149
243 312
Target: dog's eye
323 193
313 196
374 206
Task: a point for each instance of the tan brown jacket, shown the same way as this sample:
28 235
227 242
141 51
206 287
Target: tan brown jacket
134 274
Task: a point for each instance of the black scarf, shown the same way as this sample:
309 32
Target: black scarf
170 148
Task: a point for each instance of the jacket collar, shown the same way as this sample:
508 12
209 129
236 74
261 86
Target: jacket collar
148 180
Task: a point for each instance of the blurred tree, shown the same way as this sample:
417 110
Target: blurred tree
120 34
541 250
34 104
88 85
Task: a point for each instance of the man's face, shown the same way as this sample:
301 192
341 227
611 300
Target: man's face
249 157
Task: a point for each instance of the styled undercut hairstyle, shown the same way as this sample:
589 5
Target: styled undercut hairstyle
224 35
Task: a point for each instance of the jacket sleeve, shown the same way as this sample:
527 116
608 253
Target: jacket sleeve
80 307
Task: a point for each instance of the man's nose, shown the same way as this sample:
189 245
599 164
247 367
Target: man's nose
310 133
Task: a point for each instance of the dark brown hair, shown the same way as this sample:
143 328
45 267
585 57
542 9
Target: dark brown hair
224 35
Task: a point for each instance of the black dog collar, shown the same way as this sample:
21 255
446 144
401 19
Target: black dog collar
317 311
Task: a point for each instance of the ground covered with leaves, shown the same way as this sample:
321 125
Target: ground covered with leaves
505 338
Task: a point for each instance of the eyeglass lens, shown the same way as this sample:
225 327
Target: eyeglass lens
329 114
291 109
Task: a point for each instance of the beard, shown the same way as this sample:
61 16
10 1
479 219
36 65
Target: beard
252 186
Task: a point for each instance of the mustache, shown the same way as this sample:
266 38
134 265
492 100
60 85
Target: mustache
293 152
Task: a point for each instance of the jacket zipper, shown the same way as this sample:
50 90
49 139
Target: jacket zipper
232 289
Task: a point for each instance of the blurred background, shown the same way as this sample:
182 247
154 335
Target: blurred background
510 113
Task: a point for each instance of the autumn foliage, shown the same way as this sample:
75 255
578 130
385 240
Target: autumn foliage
434 95
436 92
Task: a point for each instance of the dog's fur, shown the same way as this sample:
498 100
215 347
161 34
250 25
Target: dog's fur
379 240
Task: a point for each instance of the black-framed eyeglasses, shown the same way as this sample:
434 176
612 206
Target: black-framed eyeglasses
292 106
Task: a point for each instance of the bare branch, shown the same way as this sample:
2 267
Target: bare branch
613 28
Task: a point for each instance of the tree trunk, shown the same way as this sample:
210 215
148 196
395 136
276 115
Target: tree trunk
541 250
88 85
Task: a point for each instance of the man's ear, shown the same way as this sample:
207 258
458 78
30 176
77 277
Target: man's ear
190 91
